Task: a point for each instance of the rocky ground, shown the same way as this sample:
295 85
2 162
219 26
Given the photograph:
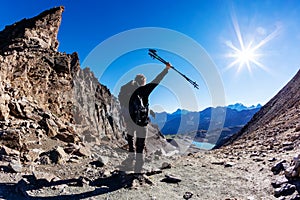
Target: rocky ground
217 174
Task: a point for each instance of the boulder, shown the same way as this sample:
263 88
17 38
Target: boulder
58 155
43 176
15 165
285 190
8 151
278 167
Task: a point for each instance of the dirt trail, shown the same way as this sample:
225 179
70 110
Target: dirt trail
203 175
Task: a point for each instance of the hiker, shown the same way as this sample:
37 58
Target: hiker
133 99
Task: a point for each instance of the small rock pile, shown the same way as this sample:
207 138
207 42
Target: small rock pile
287 182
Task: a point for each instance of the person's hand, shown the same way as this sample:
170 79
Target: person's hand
168 66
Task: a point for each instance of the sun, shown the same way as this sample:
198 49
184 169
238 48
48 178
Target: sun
247 55
243 57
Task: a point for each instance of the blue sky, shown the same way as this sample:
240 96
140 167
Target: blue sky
252 45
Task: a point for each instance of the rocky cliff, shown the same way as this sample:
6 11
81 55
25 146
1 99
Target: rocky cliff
46 99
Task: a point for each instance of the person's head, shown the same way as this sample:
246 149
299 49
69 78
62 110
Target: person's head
140 79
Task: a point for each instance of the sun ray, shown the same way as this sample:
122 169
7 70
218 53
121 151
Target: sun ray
270 37
237 30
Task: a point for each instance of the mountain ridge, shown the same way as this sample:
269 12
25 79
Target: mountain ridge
201 126
236 106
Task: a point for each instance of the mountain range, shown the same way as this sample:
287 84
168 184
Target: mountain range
189 122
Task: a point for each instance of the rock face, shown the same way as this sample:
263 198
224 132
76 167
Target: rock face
276 126
36 83
43 98
46 87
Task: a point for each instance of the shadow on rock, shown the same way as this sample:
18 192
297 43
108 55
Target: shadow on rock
101 186
117 181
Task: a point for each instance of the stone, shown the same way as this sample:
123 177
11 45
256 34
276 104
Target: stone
74 159
290 172
288 148
166 165
297 129
15 166
294 197
278 167
103 159
43 176
11 139
83 151
58 155
100 162
171 179
285 190
67 137
279 181
4 110
15 109
83 181
158 152
258 159
33 155
44 160
218 162
78 150
8 151
229 164
284 144
272 159
70 148
188 195
51 129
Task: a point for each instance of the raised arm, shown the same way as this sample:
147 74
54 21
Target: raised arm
160 76
148 88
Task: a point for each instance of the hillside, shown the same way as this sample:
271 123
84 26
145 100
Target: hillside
276 124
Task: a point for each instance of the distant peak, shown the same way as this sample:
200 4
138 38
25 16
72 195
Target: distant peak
180 112
240 106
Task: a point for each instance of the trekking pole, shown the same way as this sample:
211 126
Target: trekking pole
153 54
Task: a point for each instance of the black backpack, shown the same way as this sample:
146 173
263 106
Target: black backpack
137 110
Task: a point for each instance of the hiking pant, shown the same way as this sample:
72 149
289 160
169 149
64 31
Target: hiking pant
140 132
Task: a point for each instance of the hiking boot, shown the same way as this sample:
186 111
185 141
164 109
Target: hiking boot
127 164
